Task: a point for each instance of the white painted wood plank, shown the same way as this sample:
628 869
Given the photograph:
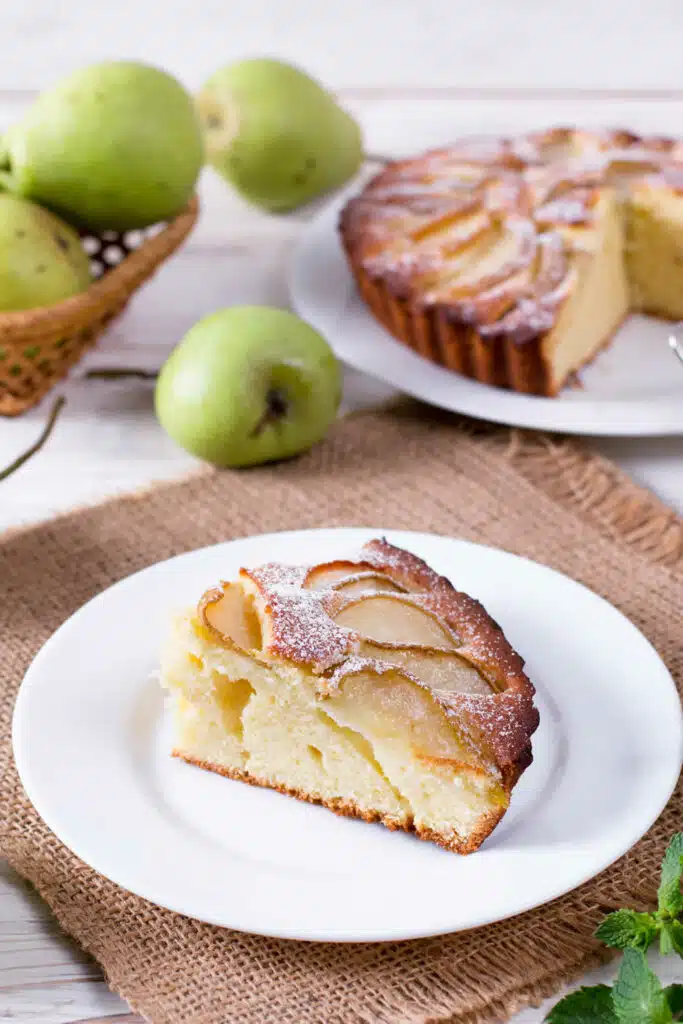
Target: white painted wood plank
402 43
33 949
63 1004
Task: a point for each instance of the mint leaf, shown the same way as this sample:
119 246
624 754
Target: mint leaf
586 1006
669 893
674 996
671 938
628 929
637 995
675 929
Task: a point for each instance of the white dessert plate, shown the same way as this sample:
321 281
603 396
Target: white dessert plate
634 387
92 740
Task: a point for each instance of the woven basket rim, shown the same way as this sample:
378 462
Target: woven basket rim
152 250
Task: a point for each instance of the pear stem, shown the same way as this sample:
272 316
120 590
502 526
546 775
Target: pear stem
376 158
37 445
120 373
60 402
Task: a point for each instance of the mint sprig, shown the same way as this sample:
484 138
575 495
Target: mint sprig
637 996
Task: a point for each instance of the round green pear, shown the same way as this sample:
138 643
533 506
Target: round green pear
116 145
42 260
276 134
248 385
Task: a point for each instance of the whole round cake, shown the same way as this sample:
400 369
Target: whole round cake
514 260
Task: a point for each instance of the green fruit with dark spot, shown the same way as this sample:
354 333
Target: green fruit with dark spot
117 145
42 260
276 135
248 385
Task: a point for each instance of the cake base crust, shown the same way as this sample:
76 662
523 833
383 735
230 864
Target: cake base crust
349 809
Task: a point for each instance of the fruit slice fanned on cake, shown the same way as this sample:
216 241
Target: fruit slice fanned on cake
370 685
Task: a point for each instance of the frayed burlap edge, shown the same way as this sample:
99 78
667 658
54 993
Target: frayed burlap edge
599 491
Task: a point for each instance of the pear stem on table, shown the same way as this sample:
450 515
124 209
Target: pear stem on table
376 158
120 373
149 374
37 445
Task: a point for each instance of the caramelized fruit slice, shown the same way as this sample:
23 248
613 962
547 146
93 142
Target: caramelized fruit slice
349 578
369 584
390 619
323 576
229 614
441 670
390 707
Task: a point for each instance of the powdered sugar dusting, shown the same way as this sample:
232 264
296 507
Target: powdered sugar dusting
567 210
495 714
302 630
358 663
281 578
506 721
382 555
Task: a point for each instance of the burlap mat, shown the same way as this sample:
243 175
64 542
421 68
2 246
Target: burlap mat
405 469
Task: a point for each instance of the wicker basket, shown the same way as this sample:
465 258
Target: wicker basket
38 346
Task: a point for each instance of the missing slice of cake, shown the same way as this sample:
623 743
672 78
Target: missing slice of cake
369 685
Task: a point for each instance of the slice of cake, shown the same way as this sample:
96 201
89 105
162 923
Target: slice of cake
369 685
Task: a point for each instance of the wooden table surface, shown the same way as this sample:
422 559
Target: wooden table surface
107 439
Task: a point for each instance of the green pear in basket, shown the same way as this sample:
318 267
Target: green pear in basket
248 385
276 134
116 145
42 260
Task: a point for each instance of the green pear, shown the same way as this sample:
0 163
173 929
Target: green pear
42 260
117 145
248 385
276 135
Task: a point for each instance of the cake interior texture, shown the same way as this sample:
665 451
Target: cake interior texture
601 298
654 252
344 686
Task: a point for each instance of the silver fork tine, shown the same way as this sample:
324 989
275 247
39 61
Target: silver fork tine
676 346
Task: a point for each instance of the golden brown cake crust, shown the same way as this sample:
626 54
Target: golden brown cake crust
349 809
540 186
